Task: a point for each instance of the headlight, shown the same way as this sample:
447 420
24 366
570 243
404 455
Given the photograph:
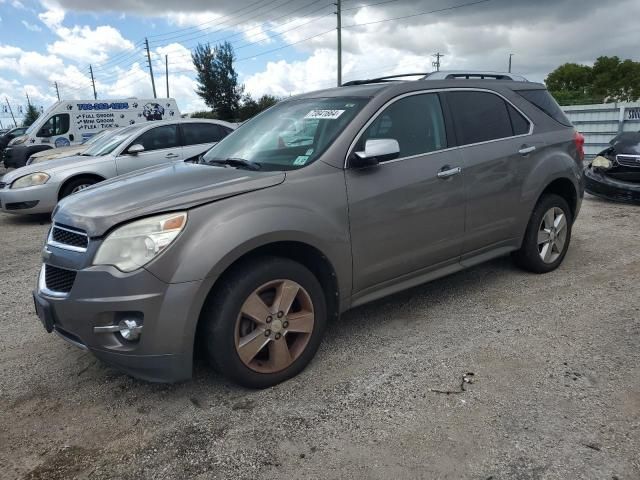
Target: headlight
31 180
134 245
601 162
19 140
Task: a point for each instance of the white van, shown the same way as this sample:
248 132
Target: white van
70 122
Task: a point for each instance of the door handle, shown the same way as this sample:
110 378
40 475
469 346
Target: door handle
171 155
527 150
447 172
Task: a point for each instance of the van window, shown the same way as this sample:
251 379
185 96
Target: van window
197 133
158 138
56 125
479 116
416 122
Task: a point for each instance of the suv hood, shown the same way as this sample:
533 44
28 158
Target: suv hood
176 186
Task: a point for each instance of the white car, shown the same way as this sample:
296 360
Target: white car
37 188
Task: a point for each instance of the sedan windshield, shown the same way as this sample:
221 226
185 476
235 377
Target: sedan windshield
288 136
110 141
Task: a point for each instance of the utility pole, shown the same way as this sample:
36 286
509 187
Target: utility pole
11 112
436 64
93 82
28 100
57 91
339 15
166 71
510 55
153 82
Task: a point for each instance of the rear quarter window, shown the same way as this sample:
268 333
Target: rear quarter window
479 116
543 100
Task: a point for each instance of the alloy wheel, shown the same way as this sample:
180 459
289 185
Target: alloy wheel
274 326
80 187
552 235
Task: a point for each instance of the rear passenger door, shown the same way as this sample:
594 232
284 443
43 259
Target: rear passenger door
495 142
198 137
161 145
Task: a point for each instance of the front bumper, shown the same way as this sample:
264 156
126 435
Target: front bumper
601 185
102 296
16 156
30 200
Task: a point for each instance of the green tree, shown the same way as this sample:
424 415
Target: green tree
30 116
609 80
217 79
250 107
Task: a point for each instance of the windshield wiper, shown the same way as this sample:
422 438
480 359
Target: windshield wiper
236 162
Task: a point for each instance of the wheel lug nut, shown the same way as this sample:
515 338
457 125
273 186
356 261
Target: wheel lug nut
278 336
269 319
285 324
280 314
267 333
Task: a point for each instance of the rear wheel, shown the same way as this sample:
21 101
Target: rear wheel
547 237
265 322
77 185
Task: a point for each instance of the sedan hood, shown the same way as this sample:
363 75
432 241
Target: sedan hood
59 152
50 166
158 189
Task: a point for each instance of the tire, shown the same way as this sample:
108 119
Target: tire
255 287
75 185
532 255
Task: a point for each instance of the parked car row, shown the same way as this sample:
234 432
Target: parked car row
324 202
38 187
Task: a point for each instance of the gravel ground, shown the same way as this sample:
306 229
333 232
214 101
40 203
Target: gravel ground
554 394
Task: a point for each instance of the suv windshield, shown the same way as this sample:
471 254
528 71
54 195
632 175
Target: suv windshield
110 141
289 135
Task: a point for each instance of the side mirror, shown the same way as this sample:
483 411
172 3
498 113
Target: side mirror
375 151
135 149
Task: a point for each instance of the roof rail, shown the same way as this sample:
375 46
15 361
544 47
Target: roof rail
383 79
443 75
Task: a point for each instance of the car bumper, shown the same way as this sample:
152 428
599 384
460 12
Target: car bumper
30 200
603 186
102 296
16 156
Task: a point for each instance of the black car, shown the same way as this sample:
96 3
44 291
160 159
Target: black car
6 137
615 173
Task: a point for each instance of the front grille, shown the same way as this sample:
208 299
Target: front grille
59 279
629 160
71 237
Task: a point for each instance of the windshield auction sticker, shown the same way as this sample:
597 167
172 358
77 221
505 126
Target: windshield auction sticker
324 114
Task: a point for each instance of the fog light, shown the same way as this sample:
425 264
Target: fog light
130 329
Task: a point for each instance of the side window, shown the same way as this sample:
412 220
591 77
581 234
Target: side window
416 122
196 133
518 122
158 138
479 116
56 125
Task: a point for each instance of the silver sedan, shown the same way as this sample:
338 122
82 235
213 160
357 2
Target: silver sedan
37 188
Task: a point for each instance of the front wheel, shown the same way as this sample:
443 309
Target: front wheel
265 322
77 185
548 235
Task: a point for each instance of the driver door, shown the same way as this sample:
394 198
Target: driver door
56 131
407 214
161 145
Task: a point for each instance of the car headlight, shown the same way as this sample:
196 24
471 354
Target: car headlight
31 180
19 140
135 244
602 162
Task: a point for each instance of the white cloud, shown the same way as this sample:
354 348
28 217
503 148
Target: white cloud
31 27
85 44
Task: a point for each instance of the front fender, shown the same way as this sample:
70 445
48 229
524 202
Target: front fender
311 210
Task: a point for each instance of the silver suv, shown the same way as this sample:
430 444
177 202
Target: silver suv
251 252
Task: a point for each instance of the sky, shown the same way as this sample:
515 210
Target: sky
285 47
